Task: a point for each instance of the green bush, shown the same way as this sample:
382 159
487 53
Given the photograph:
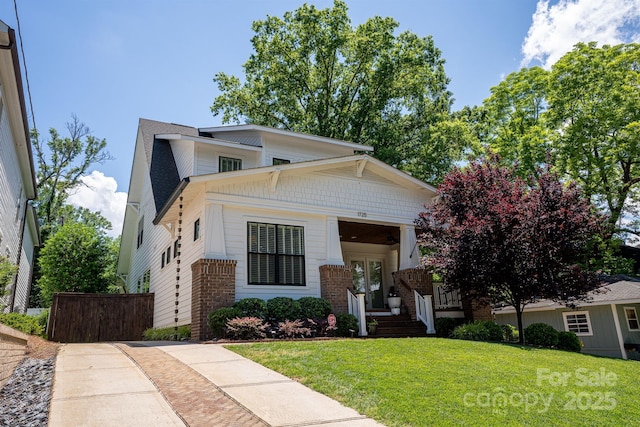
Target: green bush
314 308
167 334
345 323
480 330
569 341
283 308
42 318
510 333
22 322
541 334
218 319
445 326
252 307
246 328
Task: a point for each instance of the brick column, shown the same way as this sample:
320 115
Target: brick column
334 282
409 279
476 308
213 286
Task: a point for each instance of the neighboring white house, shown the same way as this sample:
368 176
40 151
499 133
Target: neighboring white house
18 225
218 214
608 323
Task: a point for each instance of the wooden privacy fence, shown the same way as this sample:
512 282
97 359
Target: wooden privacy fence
77 317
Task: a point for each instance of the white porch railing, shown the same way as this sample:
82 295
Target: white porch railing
424 311
357 308
446 299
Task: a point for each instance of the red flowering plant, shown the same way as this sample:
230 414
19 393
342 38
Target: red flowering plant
499 237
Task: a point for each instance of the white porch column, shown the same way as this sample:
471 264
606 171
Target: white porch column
409 253
334 250
214 246
362 320
616 322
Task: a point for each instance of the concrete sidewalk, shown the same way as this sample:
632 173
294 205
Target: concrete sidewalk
158 384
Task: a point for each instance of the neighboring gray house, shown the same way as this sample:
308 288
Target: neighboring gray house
18 225
608 324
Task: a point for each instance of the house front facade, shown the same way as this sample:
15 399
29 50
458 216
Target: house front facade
19 232
218 214
608 323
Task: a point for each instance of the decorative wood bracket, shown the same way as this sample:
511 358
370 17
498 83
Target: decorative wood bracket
360 164
274 179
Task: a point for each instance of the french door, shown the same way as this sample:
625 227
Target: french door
367 278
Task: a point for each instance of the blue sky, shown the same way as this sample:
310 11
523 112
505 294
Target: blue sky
113 61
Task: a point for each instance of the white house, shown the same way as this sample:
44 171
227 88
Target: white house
18 225
218 214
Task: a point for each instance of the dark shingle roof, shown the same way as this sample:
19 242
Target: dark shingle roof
163 170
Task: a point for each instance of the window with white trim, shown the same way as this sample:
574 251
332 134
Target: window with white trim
632 318
228 164
140 231
275 254
578 322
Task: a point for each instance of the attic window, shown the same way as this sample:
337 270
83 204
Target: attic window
280 161
228 164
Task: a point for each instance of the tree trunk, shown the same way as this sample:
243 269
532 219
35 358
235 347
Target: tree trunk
520 329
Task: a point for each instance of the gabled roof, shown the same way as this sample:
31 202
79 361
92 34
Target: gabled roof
361 161
274 131
621 292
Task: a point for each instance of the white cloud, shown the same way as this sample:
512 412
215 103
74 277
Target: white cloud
99 195
556 29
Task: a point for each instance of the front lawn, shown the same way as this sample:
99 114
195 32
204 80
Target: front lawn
435 382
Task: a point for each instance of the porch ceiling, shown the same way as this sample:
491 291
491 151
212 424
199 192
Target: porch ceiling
359 232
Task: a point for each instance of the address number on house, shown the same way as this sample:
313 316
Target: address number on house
362 214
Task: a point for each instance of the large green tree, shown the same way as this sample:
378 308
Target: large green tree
594 106
62 161
516 129
312 71
584 113
74 259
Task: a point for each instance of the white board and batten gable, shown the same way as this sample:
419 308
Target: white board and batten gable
293 183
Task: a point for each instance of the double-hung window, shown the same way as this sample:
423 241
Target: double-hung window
578 322
227 164
275 254
632 318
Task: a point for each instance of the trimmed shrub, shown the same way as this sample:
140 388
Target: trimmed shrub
569 341
246 328
541 334
480 330
293 329
42 318
445 326
218 319
345 324
252 307
167 334
22 322
283 308
314 308
510 333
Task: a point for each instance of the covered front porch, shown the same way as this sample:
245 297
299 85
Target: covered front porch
375 271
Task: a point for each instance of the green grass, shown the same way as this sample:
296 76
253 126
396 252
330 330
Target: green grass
437 382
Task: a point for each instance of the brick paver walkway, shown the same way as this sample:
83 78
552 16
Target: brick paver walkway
195 399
